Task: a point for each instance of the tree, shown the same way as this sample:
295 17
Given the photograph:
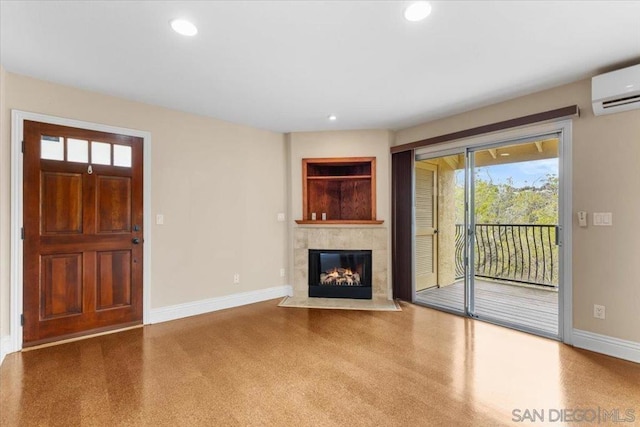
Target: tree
505 203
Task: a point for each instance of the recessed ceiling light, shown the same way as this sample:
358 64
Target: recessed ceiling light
332 117
184 27
504 154
417 11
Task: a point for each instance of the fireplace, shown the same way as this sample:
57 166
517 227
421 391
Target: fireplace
340 273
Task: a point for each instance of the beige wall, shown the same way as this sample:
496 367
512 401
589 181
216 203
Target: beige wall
446 222
219 186
606 177
357 143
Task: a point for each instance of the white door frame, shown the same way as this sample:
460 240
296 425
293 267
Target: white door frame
564 128
17 131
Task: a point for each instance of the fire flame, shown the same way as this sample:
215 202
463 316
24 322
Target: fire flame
335 271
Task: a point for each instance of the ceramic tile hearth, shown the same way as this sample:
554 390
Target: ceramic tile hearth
374 304
343 238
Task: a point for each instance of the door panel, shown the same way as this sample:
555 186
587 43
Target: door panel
439 241
114 204
61 203
83 232
514 214
61 285
114 279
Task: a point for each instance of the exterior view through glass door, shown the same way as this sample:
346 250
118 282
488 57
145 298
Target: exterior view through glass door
439 206
426 225
498 219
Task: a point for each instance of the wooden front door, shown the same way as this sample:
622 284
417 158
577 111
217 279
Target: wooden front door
82 232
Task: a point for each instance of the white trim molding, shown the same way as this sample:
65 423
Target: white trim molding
616 347
5 345
17 131
179 311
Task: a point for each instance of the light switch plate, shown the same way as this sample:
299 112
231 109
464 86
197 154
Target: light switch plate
597 218
159 219
603 219
280 217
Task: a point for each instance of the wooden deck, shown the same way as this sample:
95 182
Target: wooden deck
522 306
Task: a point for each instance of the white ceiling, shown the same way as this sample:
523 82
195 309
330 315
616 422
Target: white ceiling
287 65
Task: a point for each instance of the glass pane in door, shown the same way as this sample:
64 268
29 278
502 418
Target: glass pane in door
515 197
439 238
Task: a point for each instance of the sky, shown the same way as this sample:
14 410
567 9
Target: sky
523 173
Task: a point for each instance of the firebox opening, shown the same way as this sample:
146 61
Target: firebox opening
340 273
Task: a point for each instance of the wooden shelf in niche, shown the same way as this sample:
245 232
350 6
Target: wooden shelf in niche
344 188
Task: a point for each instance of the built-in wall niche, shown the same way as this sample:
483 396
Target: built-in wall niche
339 191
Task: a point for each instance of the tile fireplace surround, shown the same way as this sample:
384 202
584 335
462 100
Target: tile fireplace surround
352 238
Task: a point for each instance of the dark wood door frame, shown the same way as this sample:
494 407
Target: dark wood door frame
557 114
402 224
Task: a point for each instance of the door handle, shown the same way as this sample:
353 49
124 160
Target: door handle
135 240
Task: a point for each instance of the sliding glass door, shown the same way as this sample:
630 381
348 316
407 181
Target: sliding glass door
486 232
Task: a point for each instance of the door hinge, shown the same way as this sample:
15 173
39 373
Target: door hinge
23 146
22 233
22 320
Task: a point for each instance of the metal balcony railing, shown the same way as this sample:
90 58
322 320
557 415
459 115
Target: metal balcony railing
523 253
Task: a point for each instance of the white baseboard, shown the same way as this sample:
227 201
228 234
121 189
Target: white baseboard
5 347
623 349
179 311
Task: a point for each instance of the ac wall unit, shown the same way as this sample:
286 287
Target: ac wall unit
616 91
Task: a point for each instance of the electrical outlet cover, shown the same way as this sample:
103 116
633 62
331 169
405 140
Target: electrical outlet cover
599 311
